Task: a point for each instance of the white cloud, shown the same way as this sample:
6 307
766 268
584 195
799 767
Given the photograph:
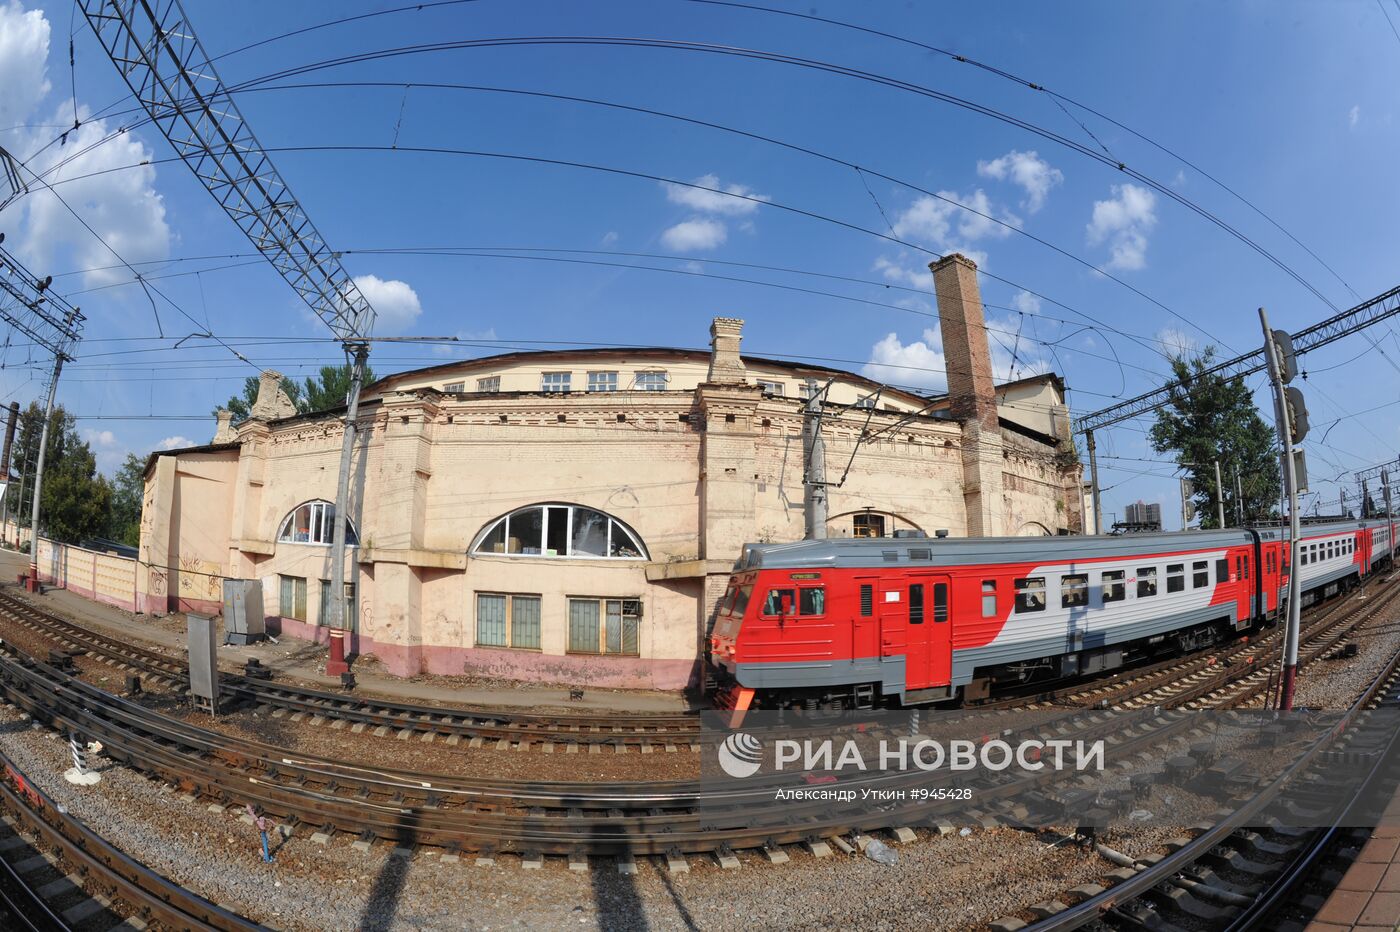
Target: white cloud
895 272
466 336
395 303
1028 170
99 438
730 200
1123 221
922 364
122 207
1354 115
1179 181
175 443
1026 303
931 219
609 238
1176 343
919 364
24 49
695 234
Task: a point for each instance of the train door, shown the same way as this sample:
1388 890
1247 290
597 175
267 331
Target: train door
928 654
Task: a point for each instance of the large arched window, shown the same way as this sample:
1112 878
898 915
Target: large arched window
556 529
313 523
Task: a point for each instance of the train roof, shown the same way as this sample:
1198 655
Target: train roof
965 551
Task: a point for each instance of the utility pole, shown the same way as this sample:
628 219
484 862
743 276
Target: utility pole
1239 497
1094 481
73 317
335 658
1292 419
5 459
814 464
1219 497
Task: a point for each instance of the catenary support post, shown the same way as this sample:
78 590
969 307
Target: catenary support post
335 659
1290 479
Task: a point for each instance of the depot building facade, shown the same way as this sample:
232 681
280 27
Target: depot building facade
572 516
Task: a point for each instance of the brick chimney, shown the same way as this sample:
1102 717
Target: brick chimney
725 364
224 432
971 393
272 402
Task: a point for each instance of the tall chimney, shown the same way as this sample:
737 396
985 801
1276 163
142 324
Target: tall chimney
725 362
971 392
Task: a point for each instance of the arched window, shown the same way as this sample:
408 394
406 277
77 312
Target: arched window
313 523
556 529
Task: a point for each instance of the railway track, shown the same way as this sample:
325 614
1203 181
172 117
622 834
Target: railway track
1248 869
473 726
57 874
572 820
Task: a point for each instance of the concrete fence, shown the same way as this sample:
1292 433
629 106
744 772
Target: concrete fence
102 577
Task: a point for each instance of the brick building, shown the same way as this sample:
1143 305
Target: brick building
571 515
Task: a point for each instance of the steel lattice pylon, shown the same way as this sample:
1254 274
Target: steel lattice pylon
27 304
1333 328
167 69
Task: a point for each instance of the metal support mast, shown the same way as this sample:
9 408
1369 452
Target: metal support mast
814 491
1219 498
1094 481
155 48
1278 374
1367 314
27 305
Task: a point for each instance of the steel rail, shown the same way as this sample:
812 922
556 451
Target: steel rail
150 893
1094 908
488 724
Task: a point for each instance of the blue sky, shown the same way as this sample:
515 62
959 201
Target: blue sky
1290 104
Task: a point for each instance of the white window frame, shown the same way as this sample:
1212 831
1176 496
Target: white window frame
614 526
453 388
651 380
489 384
602 380
321 512
562 385
769 387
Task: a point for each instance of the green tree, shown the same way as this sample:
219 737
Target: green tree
242 405
75 499
128 490
319 393
1210 418
330 388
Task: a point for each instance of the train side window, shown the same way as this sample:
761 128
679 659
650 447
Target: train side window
1200 574
940 601
1176 577
867 600
1244 567
989 598
1147 581
1222 570
1114 588
1030 594
811 601
777 600
916 603
1074 590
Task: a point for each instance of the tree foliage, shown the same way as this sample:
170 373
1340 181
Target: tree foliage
1212 418
74 500
322 392
128 489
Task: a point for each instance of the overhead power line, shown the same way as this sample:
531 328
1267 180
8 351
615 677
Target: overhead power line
1378 309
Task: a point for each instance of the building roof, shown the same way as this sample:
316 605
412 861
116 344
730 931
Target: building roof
203 448
388 382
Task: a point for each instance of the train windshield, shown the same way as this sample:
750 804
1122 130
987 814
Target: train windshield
741 600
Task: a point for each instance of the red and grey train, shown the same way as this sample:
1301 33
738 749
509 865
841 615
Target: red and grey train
886 621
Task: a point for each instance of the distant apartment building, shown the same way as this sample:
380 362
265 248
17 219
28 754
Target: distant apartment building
1140 512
